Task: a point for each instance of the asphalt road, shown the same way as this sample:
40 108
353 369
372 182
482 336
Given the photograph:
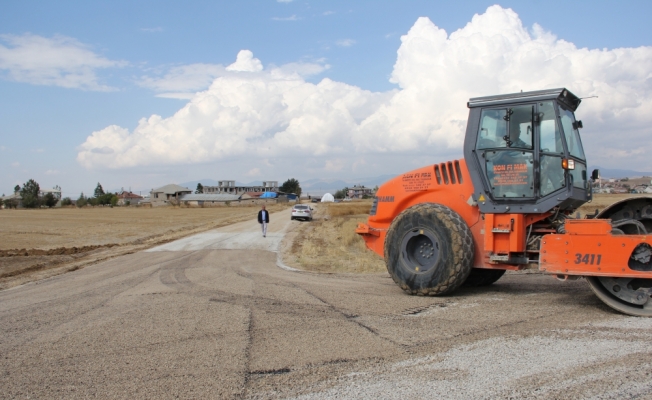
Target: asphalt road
213 316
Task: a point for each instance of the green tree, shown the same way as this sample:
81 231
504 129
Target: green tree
16 188
114 200
29 194
11 203
81 201
99 191
291 186
66 201
200 188
340 194
104 199
49 200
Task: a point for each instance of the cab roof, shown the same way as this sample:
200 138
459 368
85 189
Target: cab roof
562 95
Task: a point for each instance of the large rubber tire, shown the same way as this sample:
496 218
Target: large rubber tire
483 277
429 250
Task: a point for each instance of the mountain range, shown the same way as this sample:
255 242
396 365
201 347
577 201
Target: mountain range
619 173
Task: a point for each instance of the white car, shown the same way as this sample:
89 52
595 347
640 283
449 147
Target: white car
301 211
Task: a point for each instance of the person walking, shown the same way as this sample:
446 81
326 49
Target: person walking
263 219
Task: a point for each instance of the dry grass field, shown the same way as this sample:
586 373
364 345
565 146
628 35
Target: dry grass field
601 201
40 243
330 244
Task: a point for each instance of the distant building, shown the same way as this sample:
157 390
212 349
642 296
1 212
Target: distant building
132 198
18 200
203 199
167 195
359 191
251 195
55 192
229 187
15 198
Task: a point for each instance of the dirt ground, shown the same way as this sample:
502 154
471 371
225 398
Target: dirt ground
213 316
37 244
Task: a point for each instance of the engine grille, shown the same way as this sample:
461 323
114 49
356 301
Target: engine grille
448 173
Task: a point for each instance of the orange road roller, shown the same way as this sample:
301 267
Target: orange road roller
509 205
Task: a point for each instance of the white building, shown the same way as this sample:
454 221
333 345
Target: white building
229 187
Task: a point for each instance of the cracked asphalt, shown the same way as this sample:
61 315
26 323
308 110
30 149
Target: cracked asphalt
213 316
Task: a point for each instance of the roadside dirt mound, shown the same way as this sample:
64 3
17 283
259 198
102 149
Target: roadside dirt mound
53 252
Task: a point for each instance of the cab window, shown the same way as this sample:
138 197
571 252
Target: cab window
579 176
506 128
510 173
550 135
551 146
493 129
572 135
520 127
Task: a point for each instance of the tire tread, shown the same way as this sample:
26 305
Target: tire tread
462 247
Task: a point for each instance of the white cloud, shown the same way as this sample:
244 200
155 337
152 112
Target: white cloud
15 164
345 42
290 18
335 165
183 82
245 62
57 61
258 113
185 78
177 95
327 13
284 1
152 30
302 69
52 172
254 172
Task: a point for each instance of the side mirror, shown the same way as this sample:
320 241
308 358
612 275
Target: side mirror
577 125
595 175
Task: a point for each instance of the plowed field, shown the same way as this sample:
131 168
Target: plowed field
40 243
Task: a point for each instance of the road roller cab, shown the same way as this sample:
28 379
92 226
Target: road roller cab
524 152
509 205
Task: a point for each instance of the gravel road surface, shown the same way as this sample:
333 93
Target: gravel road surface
213 316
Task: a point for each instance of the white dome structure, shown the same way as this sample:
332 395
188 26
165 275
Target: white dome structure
327 198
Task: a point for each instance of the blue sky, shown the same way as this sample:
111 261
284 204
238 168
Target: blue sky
69 70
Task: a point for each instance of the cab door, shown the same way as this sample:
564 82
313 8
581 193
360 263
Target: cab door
552 176
506 151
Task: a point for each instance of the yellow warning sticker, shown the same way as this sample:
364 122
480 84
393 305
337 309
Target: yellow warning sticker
481 198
